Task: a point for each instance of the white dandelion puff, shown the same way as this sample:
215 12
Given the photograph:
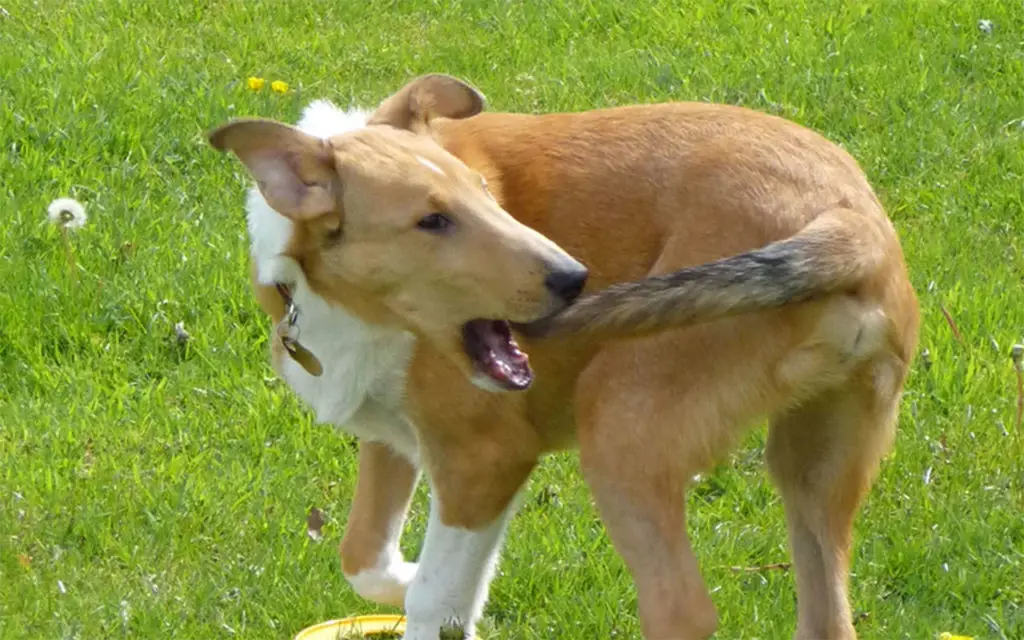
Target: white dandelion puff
67 213
180 334
985 26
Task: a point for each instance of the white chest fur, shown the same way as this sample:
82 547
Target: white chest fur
363 365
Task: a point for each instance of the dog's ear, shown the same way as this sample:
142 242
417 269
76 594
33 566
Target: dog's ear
294 171
427 97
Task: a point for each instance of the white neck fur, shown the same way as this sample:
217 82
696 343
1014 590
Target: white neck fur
361 362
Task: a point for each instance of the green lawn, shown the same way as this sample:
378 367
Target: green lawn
153 490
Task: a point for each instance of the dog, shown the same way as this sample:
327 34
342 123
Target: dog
675 272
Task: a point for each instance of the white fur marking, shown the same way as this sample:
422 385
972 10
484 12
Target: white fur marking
430 165
456 567
387 581
361 362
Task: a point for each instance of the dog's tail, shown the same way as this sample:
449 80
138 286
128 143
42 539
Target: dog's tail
835 252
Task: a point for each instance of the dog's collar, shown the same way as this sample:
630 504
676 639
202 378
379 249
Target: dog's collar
288 333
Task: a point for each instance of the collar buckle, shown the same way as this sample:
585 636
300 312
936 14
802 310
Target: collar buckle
288 333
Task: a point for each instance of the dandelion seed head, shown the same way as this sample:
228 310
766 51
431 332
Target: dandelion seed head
67 213
180 334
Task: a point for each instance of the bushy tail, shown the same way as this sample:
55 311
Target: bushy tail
836 251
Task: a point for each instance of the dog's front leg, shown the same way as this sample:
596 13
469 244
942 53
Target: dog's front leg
468 517
370 557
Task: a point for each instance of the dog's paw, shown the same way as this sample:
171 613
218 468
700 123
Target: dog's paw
385 586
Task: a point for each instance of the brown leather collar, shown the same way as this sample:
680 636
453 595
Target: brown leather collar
288 333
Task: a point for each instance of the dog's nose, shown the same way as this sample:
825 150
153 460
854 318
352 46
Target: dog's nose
567 284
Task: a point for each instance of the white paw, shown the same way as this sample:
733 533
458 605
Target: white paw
435 629
384 586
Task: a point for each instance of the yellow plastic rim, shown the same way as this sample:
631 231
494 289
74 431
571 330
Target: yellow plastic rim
366 625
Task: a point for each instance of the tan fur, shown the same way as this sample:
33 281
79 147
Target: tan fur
632 193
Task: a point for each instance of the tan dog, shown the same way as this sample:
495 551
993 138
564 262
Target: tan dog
742 268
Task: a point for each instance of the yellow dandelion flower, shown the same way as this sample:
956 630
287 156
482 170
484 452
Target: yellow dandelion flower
255 83
279 86
945 635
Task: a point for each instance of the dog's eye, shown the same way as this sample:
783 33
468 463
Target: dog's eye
436 223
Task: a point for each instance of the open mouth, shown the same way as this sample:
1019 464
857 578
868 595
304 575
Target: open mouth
495 354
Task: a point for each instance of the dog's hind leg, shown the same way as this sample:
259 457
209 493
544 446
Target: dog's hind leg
641 502
370 557
823 456
651 414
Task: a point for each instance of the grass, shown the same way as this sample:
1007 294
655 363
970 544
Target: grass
150 489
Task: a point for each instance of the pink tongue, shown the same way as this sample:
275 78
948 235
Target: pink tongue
505 360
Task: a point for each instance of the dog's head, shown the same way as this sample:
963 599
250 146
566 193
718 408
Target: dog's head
388 223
